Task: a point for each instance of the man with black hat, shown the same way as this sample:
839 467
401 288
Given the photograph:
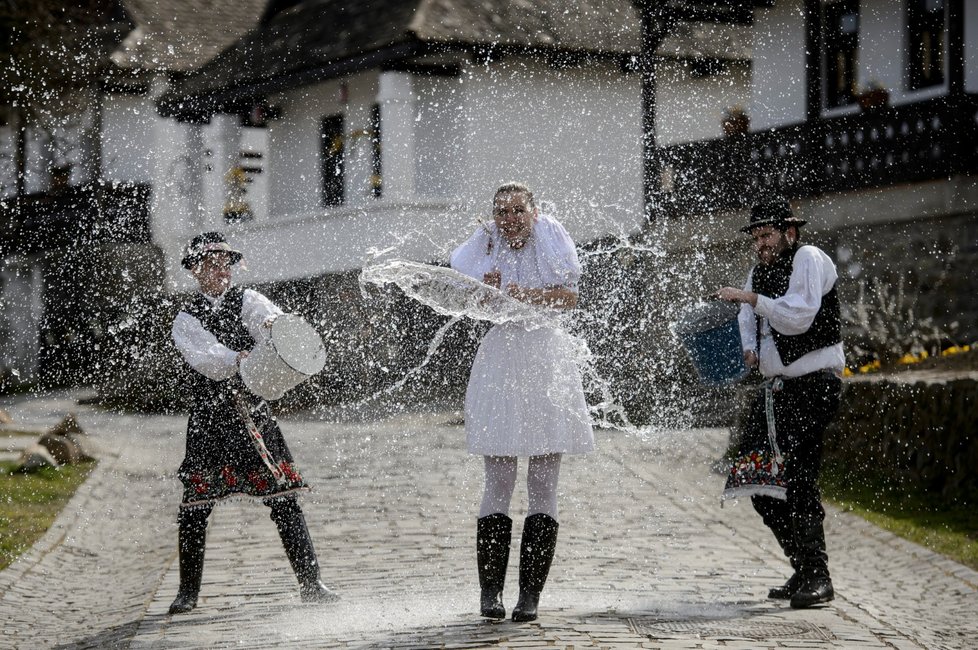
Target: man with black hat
234 445
790 327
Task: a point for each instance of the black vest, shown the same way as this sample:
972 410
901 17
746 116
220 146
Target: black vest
826 329
225 324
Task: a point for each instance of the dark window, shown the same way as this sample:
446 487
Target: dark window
927 35
841 21
332 158
376 172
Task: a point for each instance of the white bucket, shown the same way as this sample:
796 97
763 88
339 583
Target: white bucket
292 353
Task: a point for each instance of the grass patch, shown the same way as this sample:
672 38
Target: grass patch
29 504
949 527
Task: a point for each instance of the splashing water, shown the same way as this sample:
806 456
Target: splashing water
433 346
455 295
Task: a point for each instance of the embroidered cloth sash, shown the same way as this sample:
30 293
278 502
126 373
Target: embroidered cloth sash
759 467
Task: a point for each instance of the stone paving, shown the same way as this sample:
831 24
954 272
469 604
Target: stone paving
646 557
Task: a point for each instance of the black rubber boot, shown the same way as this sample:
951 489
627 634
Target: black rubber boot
295 536
493 535
192 540
816 585
536 553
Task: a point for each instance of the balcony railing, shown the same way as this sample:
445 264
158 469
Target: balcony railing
94 213
929 140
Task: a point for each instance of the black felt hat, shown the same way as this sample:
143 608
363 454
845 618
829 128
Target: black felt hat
204 243
775 213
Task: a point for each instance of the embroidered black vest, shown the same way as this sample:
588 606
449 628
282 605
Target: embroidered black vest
225 324
826 329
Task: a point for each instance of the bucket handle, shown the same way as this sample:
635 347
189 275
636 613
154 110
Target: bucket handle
266 331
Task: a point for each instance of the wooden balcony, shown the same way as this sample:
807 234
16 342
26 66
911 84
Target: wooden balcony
75 215
926 141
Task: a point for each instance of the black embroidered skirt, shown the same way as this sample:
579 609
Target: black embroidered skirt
222 461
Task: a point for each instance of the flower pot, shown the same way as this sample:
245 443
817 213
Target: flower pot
873 100
736 124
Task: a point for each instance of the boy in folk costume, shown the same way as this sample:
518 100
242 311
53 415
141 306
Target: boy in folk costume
234 445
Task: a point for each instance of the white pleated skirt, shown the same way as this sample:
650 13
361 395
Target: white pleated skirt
525 395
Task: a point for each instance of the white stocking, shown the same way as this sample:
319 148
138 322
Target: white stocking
500 482
541 484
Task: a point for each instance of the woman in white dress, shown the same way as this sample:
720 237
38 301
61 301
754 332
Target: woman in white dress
525 395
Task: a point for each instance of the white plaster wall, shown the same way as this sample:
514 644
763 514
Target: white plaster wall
21 309
883 55
778 74
971 46
67 146
178 206
778 85
222 144
361 92
690 108
63 140
38 158
293 162
255 141
882 45
573 135
438 137
127 144
8 166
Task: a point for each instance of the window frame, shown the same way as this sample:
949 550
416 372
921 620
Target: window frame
836 44
921 24
332 152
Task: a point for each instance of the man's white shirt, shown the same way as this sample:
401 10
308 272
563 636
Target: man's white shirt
813 275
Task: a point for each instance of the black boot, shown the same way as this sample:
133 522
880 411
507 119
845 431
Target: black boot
192 540
302 556
788 589
493 535
816 585
777 517
536 553
813 590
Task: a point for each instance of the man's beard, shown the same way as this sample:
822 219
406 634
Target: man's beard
775 253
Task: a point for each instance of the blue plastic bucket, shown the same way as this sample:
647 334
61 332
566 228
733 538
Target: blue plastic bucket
711 336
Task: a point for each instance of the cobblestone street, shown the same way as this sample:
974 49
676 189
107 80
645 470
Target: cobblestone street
646 556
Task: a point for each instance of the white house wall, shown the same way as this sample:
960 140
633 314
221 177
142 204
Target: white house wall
127 145
690 107
21 310
573 134
38 159
882 52
971 46
179 199
779 87
883 56
294 172
8 165
778 72
360 96
255 141
439 136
